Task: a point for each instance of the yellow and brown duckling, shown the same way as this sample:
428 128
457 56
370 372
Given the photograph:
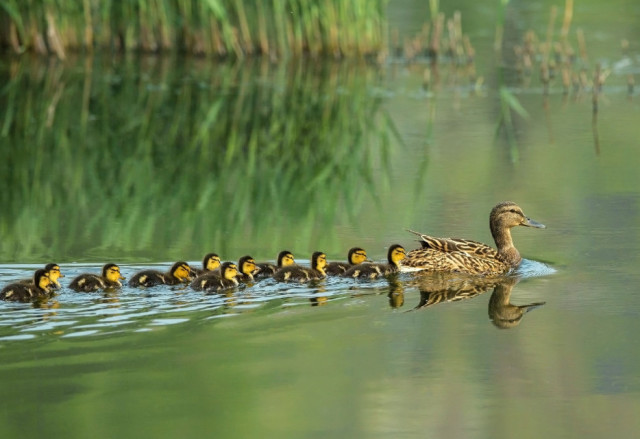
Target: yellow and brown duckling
395 254
223 279
471 257
210 262
356 256
89 282
39 288
179 273
53 270
247 269
298 273
285 258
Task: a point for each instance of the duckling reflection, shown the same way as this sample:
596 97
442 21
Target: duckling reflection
439 287
396 293
320 297
502 312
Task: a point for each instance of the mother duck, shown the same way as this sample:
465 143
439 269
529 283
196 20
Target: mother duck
471 257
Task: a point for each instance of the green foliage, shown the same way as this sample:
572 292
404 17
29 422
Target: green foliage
159 159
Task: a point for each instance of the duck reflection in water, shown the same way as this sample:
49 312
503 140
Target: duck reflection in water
436 289
502 312
396 292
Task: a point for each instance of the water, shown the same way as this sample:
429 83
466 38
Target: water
143 162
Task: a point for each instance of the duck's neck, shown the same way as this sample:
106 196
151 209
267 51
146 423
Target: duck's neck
506 250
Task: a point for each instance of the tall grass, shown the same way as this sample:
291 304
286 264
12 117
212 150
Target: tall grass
239 28
159 158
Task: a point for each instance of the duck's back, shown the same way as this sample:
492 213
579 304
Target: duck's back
87 283
428 259
19 292
297 273
147 278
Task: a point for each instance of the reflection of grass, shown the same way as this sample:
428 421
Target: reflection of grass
145 159
221 27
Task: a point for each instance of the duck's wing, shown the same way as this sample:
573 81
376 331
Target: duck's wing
450 245
453 262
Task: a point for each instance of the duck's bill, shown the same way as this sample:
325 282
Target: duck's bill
531 223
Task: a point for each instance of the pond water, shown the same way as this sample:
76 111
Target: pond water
144 161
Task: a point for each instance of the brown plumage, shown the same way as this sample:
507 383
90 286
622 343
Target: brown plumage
502 313
471 257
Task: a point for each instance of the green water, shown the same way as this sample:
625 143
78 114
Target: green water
143 161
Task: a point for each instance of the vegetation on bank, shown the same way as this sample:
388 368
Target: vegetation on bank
275 28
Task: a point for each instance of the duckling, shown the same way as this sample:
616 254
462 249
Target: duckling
89 282
180 272
54 273
304 274
215 282
456 255
39 288
248 269
356 256
210 262
285 258
395 254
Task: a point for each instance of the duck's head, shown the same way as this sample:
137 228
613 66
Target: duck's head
319 261
395 254
111 272
357 256
285 258
508 214
229 270
211 262
54 273
181 271
41 279
248 265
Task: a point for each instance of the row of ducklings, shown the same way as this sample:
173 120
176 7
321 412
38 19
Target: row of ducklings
214 276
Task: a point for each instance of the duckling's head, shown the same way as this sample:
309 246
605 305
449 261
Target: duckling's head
396 254
54 273
357 256
248 265
211 262
111 272
508 214
319 261
229 270
181 271
285 258
41 279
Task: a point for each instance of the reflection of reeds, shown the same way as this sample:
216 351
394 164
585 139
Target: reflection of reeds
145 158
225 27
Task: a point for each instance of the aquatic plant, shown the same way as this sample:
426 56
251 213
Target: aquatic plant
213 27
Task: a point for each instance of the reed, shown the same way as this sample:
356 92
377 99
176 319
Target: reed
276 29
153 158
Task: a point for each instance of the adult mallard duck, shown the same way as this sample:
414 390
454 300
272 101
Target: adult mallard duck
247 269
53 270
355 256
210 262
285 258
213 282
180 272
298 273
39 288
395 254
465 256
89 282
